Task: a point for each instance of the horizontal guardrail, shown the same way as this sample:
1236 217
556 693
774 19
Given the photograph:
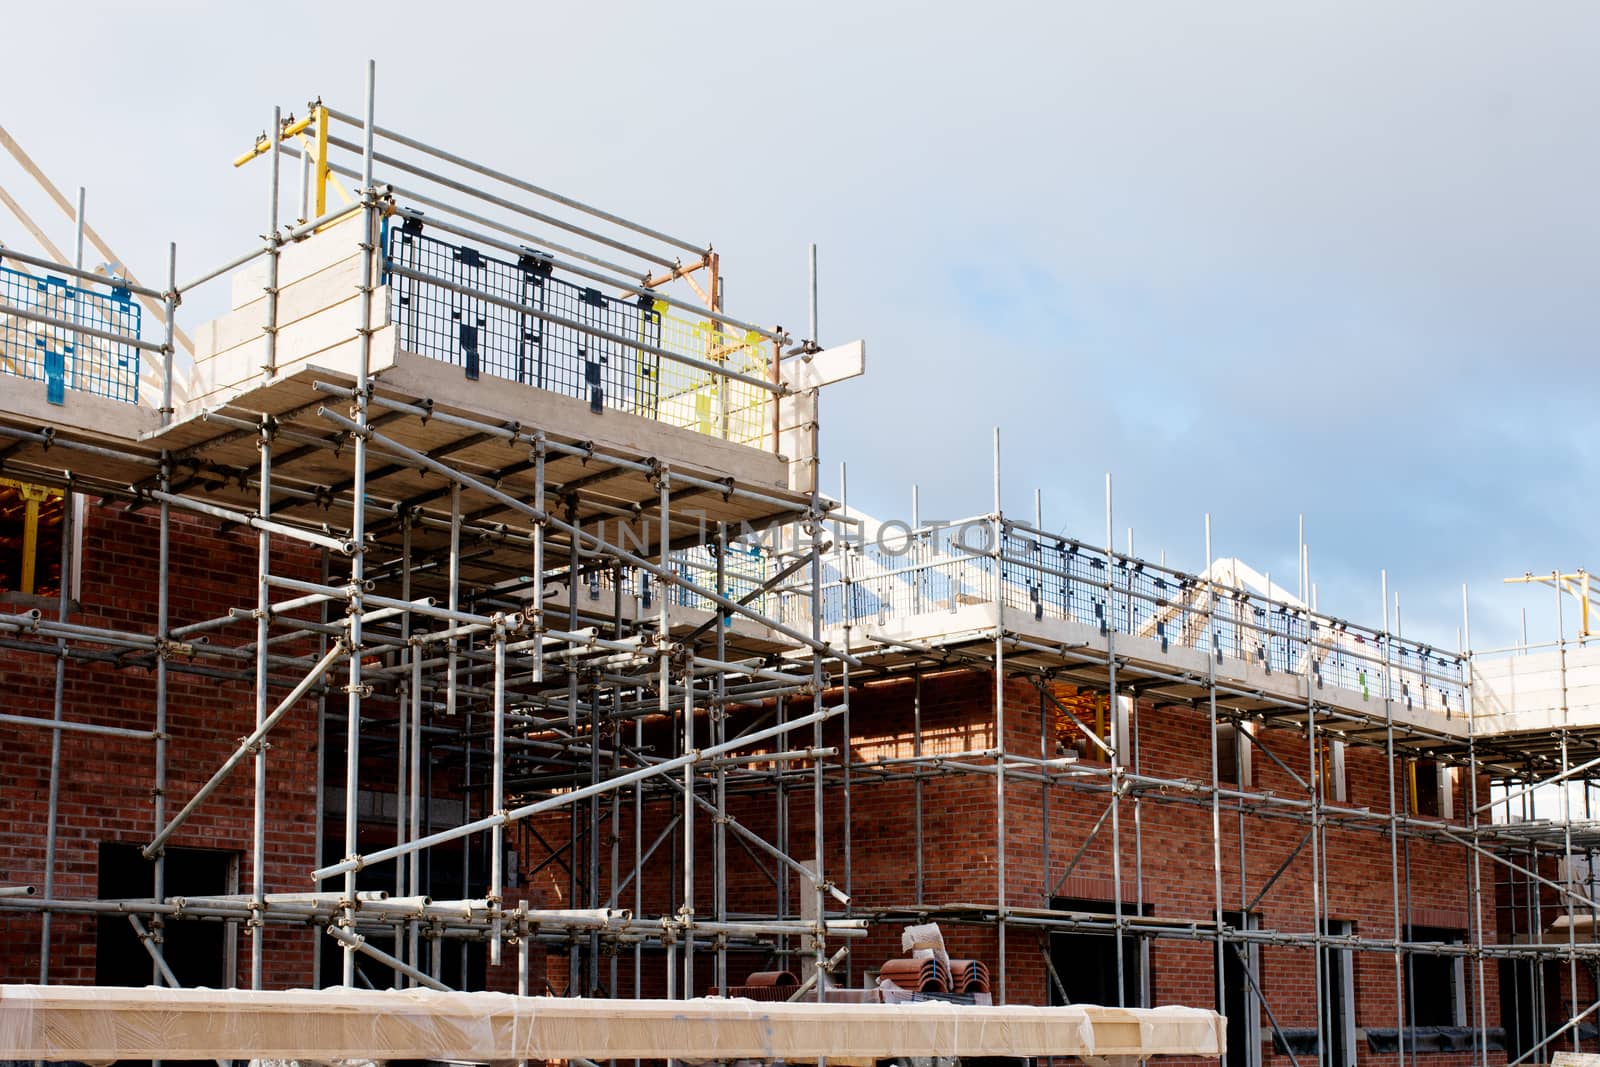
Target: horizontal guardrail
943 569
522 321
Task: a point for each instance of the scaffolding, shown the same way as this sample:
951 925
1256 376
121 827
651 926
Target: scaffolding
399 391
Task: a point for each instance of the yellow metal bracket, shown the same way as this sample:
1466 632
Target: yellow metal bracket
295 129
32 497
323 183
322 161
263 145
1578 585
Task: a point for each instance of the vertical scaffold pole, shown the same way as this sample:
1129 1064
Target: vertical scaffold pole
169 302
997 550
537 575
574 883
845 570
159 792
916 768
1318 843
811 334
1220 944
618 698
1480 1035
818 889
414 790
1046 752
497 797
1394 832
597 713
405 798
258 823
358 530
77 238
269 362
452 679
1566 815
719 720
664 678
319 814
63 604
686 910
1116 747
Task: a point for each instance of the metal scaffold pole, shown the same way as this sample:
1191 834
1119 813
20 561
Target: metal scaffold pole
258 822
1216 788
997 547
1118 728
719 735
269 364
817 891
408 876
63 602
354 689
1399 934
1480 1044
664 668
846 830
1319 925
159 791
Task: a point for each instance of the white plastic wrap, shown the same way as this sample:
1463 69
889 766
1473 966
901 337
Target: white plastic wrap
926 940
97 1025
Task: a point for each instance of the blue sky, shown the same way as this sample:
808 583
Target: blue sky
1254 259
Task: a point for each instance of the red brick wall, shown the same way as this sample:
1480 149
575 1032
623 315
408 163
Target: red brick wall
106 790
106 797
960 852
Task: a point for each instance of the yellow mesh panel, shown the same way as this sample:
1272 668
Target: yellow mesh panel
709 403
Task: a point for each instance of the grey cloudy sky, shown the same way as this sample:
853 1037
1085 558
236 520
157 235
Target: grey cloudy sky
1255 259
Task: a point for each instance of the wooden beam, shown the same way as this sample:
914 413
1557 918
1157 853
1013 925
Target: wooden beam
33 228
26 162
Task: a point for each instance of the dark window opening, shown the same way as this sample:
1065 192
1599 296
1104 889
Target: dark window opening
196 951
1336 1020
31 529
1330 760
1085 961
1431 979
1424 787
1092 712
1228 761
1525 1004
1236 1001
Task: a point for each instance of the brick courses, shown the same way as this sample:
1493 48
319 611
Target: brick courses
106 789
106 796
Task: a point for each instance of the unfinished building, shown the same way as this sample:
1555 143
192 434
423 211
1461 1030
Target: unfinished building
466 615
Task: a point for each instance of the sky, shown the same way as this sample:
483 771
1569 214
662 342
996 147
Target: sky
1254 259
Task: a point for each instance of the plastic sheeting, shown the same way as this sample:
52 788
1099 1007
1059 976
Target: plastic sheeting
99 1024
